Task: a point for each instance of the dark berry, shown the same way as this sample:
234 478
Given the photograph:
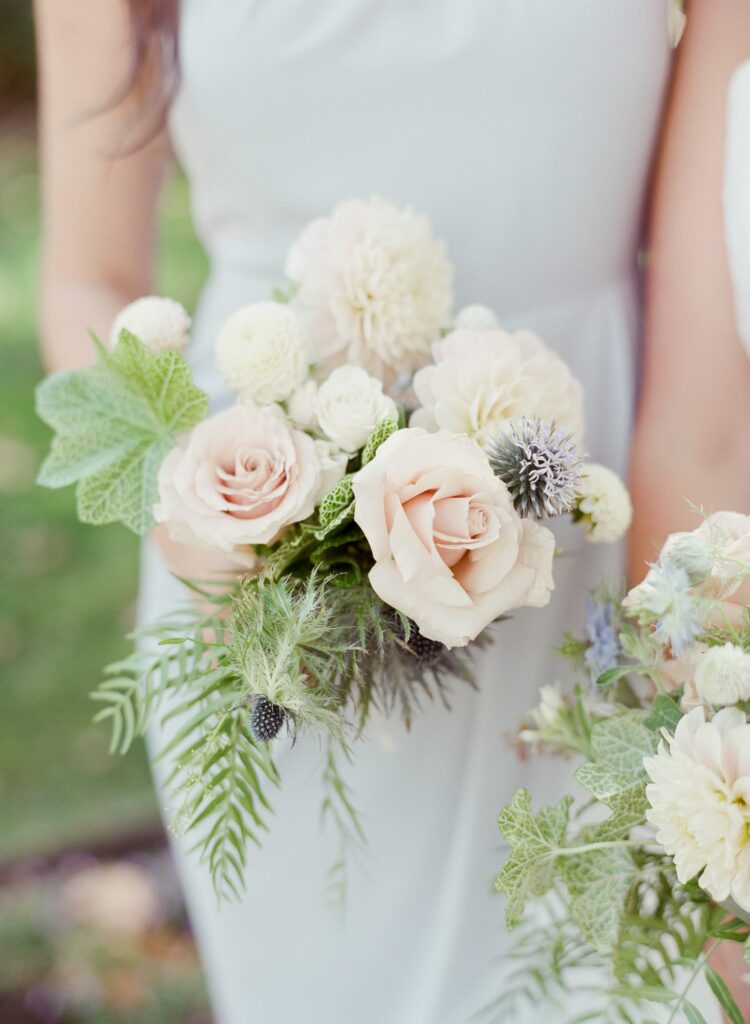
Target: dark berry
424 650
266 719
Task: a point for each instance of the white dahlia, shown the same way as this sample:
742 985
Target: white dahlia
722 675
604 503
374 285
481 382
262 352
159 323
700 802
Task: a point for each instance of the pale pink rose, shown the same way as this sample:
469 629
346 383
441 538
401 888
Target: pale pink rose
482 381
450 550
240 478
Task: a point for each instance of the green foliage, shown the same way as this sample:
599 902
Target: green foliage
381 433
336 509
114 423
620 743
665 714
290 641
534 841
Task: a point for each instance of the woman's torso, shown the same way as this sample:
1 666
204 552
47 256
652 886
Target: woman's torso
522 128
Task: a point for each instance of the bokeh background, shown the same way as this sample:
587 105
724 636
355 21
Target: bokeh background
91 926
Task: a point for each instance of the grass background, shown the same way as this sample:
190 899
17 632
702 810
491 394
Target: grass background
67 591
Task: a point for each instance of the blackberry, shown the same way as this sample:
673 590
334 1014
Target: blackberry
266 719
427 651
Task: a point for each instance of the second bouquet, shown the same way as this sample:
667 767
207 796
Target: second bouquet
379 485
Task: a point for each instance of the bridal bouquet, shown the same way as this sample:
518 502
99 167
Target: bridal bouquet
369 556
655 873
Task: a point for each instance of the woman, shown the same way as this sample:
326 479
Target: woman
525 131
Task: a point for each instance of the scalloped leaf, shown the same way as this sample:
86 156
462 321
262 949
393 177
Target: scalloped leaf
114 422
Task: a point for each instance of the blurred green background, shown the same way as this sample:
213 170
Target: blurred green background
67 599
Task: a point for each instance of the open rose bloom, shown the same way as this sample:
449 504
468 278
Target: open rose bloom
374 554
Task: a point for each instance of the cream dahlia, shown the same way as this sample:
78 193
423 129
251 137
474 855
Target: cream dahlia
700 801
374 286
481 381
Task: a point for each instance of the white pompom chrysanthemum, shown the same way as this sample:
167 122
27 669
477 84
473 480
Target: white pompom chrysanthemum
262 352
159 323
722 675
374 286
476 317
604 503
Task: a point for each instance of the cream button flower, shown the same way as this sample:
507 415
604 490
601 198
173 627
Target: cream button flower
262 352
604 502
722 675
159 323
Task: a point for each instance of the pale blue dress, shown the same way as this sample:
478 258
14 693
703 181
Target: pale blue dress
525 130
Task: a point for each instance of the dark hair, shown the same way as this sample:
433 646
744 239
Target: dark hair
154 68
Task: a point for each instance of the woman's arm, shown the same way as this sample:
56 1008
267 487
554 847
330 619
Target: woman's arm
99 207
693 429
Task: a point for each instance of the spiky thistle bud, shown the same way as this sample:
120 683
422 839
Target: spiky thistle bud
266 719
429 652
539 465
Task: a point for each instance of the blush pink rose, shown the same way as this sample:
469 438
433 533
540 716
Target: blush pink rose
241 477
450 550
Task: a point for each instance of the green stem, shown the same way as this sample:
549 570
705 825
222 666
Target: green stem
699 965
610 844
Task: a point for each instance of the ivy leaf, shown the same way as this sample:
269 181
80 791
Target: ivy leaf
114 423
621 743
598 882
665 714
535 842
602 782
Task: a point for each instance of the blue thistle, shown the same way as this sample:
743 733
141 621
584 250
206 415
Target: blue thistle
539 465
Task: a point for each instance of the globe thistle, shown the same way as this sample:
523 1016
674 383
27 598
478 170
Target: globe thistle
539 465
160 324
266 719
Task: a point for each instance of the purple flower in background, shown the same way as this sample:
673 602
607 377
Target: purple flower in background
604 646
